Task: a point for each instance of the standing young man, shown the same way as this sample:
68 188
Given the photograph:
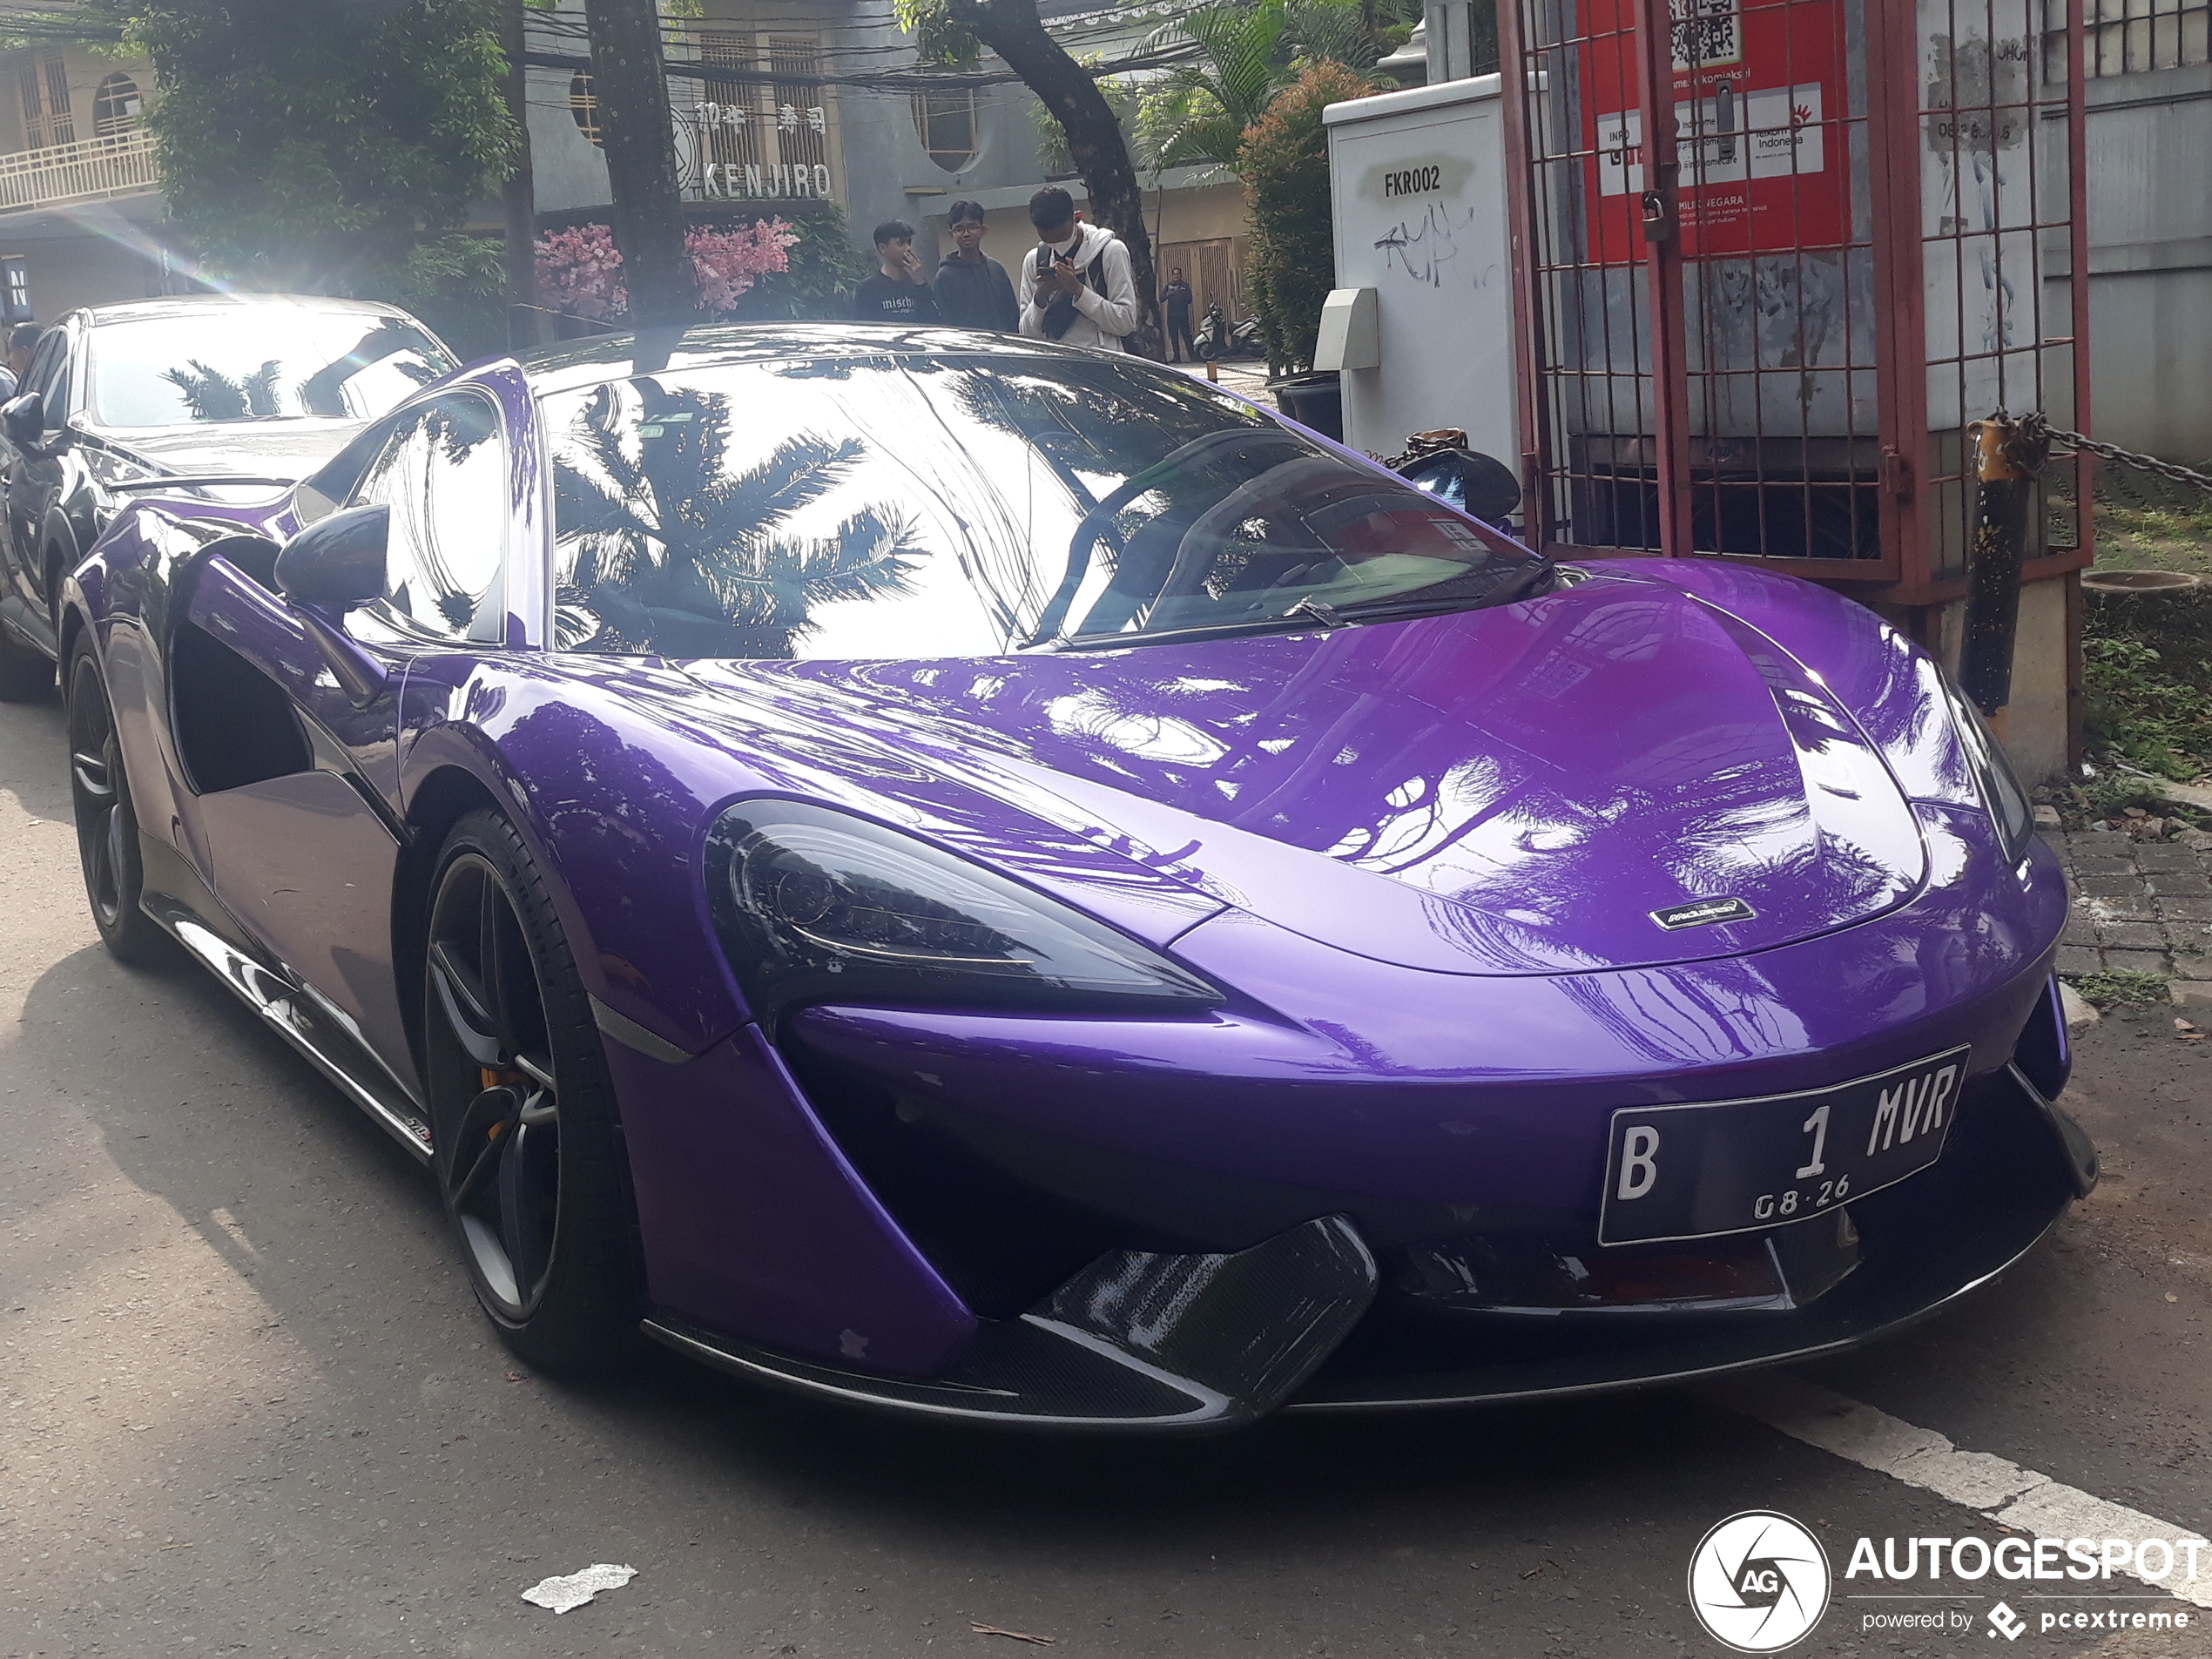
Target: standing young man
898 292
1076 288
973 289
1175 299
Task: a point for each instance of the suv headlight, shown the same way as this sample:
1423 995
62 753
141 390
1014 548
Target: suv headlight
2002 791
816 905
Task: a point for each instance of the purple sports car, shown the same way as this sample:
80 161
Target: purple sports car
1002 882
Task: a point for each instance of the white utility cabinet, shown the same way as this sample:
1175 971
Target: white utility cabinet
1417 183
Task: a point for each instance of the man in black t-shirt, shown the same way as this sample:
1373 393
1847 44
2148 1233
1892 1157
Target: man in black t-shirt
898 292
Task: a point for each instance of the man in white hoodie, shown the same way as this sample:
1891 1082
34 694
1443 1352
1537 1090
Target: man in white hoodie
1076 288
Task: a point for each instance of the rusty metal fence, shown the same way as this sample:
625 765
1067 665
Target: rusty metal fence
1776 256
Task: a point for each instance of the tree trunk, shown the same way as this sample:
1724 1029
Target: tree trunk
630 82
1011 29
525 322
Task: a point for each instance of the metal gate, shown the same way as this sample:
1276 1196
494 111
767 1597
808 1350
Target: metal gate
1774 256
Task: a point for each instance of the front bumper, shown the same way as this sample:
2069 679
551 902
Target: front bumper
1307 1320
883 1204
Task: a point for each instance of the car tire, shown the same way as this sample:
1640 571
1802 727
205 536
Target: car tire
107 826
529 1153
26 675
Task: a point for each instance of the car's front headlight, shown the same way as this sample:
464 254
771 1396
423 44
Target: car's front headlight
815 905
2002 791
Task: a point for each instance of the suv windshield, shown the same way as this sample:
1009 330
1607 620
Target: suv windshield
258 362
971 506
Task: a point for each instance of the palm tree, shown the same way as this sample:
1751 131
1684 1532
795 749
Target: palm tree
1247 53
668 553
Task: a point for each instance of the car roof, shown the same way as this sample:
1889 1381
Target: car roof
187 306
561 368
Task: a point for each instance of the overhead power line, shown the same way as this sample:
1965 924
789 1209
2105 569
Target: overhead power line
899 80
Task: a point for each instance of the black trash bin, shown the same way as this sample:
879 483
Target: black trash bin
1314 400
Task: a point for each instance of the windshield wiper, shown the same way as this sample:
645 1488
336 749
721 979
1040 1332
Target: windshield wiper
1527 585
1309 611
1326 616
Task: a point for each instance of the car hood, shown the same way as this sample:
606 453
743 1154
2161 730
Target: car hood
281 448
1539 788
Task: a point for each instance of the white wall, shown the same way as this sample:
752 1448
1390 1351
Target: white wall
1416 184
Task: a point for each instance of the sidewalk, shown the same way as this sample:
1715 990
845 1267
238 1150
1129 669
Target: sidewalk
1247 377
2139 907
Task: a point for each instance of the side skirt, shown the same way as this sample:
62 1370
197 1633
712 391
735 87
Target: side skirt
290 1009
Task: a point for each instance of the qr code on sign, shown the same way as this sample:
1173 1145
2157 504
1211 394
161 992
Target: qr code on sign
1706 33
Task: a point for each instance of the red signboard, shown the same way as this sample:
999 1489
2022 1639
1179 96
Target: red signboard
1759 96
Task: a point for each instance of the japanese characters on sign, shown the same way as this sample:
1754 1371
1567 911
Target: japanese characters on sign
731 168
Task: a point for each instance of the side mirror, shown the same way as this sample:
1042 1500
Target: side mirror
336 562
1473 483
24 420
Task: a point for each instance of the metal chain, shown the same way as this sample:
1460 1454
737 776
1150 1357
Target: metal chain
2076 441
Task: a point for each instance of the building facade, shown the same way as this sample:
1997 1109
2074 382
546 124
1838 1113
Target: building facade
2149 145
773 111
80 197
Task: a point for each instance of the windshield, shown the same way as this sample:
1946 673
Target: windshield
258 362
972 505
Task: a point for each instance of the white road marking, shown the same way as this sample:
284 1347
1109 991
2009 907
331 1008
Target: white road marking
2025 1499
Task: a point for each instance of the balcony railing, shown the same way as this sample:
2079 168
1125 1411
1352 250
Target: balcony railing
91 170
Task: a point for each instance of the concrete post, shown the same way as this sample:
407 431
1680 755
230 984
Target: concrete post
1451 49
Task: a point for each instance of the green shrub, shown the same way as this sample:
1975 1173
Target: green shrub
2118 988
2148 681
1285 164
336 156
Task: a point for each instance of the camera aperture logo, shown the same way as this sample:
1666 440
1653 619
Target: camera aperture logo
1759 1582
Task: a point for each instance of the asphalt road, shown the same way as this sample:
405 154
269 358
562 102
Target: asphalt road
249 1407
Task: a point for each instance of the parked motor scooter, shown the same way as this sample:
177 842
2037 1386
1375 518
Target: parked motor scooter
1218 337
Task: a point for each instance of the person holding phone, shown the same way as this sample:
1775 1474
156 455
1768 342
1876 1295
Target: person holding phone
1076 288
899 292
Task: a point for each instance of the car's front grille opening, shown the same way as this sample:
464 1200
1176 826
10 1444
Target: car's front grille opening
1534 1276
1002 1244
2041 1051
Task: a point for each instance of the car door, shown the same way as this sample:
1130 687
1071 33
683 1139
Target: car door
300 816
35 481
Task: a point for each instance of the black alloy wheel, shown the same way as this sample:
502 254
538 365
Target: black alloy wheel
107 829
528 1154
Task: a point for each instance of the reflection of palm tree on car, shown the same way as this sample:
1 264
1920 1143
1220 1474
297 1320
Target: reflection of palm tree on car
212 395
665 551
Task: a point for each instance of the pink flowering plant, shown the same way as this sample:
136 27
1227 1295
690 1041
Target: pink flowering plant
579 271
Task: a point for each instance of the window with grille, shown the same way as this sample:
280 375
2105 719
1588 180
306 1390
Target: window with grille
762 132
945 122
583 106
2129 36
117 107
42 82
